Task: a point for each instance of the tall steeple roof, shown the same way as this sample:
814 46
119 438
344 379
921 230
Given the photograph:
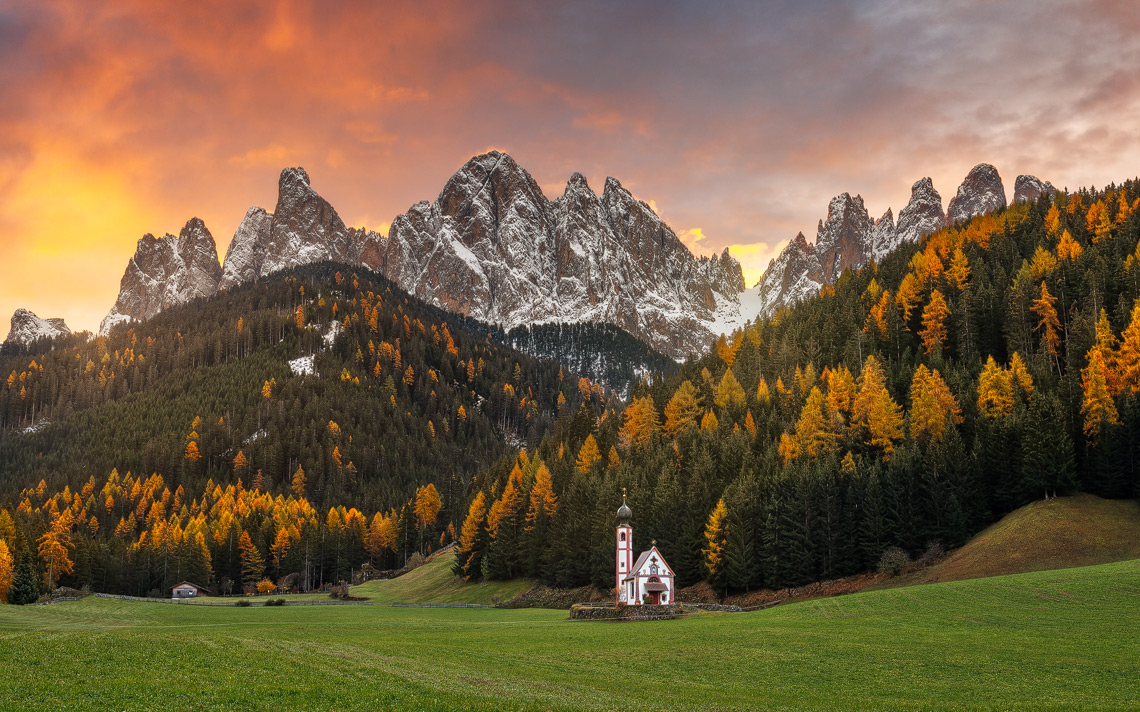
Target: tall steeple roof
624 513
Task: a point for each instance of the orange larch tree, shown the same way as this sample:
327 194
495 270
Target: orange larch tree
1097 407
933 332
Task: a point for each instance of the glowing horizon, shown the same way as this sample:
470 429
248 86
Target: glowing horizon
736 123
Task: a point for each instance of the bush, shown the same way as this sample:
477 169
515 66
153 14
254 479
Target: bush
242 603
275 602
933 553
893 561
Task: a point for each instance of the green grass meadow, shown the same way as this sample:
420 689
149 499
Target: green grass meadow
1067 639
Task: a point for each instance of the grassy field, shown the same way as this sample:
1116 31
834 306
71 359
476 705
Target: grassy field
1040 641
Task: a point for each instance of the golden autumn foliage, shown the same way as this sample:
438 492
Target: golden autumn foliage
192 454
5 571
1128 357
933 406
1097 406
933 333
588 454
54 548
875 413
709 422
814 434
729 391
640 423
1049 325
471 531
876 322
995 390
726 351
297 486
840 390
959 272
683 409
279 548
508 509
789 447
543 501
1105 345
763 395
427 505
1068 249
716 537
908 295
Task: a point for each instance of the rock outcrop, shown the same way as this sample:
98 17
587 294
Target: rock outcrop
843 239
981 192
921 216
28 328
165 272
303 229
1030 188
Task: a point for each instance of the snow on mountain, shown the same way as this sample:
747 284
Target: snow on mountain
792 276
1029 188
27 328
921 216
303 229
165 272
884 235
981 192
843 240
846 239
493 247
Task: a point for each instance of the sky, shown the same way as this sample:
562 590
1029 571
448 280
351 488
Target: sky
736 121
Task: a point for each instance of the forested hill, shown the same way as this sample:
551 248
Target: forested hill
912 403
384 394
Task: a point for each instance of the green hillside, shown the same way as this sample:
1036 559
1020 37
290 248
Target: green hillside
1057 640
434 582
1059 533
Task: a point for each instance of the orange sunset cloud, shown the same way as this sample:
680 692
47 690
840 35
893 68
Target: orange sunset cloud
122 118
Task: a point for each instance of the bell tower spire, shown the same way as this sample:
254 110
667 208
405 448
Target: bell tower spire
624 550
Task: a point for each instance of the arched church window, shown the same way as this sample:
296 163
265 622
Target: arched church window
623 536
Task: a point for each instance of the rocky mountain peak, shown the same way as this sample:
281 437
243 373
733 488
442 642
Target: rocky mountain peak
165 272
303 228
843 239
883 235
981 192
28 328
922 214
492 246
1030 188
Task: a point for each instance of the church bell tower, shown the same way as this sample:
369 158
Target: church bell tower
624 548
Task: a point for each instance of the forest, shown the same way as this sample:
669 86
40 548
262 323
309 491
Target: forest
908 405
269 409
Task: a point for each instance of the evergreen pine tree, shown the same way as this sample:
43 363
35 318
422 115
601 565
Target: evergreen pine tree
26 583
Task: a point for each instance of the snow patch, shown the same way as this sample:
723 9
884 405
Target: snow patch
302 366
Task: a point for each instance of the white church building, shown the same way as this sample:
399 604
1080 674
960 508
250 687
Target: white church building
649 579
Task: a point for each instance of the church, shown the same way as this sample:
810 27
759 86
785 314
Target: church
647 580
